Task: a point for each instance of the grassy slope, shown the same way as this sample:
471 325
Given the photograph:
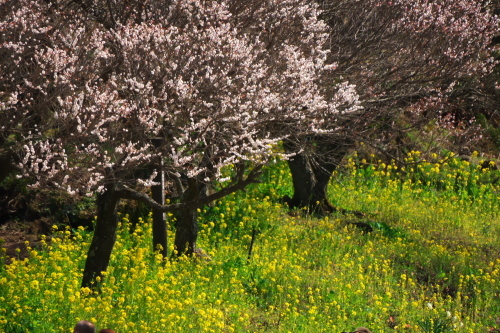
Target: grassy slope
432 264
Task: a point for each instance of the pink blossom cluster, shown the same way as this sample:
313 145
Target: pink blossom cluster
462 31
399 50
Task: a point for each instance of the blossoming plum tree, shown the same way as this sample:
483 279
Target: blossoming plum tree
419 59
97 97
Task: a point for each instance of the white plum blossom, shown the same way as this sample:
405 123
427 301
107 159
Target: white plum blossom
220 84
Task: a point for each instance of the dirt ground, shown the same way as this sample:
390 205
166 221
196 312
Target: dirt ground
14 235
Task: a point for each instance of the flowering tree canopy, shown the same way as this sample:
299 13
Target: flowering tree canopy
413 62
97 94
86 87
412 44
419 56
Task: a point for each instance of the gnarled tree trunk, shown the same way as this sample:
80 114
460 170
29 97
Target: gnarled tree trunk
311 172
186 232
104 238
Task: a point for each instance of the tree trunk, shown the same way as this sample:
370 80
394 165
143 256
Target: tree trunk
104 238
186 233
158 195
310 184
7 165
159 220
311 172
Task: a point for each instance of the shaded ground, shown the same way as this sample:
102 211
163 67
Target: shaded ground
14 235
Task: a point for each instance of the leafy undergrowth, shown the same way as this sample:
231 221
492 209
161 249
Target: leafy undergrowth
428 262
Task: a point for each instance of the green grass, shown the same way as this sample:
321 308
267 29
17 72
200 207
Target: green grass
432 263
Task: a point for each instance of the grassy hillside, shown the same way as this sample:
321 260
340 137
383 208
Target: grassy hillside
426 258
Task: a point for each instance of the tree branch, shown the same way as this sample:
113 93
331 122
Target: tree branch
126 192
239 185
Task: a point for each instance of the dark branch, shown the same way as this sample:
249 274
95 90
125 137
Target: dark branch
126 192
